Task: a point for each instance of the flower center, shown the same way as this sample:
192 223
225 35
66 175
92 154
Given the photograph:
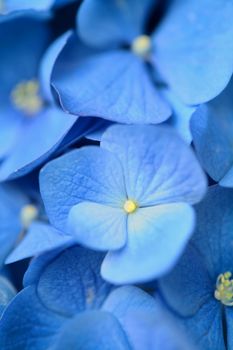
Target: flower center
224 289
141 46
25 97
28 213
130 206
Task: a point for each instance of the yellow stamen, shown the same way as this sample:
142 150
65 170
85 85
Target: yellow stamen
28 214
130 206
141 46
25 97
224 289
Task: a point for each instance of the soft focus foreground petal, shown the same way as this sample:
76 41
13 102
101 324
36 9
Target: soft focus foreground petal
93 86
7 292
159 167
11 203
87 174
198 64
36 141
156 238
93 330
71 283
27 324
15 5
98 226
102 24
212 129
40 238
142 318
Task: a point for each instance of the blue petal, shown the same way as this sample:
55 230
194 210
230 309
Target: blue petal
47 64
144 321
78 285
87 174
38 138
15 5
229 321
40 238
93 330
102 23
18 34
11 203
7 292
10 127
198 64
181 116
159 166
123 92
98 226
205 328
188 286
156 238
212 128
27 324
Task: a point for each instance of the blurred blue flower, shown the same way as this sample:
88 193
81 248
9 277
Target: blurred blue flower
32 127
200 288
117 63
212 130
130 196
66 305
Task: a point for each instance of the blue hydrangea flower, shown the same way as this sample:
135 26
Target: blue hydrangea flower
118 64
132 196
66 305
200 288
212 130
32 127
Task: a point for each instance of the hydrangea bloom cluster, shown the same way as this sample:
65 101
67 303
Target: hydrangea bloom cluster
116 175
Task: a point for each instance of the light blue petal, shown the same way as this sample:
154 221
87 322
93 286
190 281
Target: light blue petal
159 167
198 64
27 324
93 330
88 174
40 238
121 92
101 23
36 141
156 238
212 129
98 226
71 283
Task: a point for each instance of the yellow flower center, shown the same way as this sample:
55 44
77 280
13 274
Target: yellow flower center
141 46
28 213
25 97
130 206
224 289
